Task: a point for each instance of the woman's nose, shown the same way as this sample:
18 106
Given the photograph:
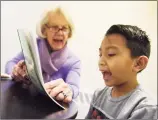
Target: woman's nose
60 31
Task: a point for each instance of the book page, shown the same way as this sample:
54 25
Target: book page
32 61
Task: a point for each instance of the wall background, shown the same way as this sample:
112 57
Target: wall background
91 19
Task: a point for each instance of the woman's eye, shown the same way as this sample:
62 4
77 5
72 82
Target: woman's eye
65 28
100 54
55 27
111 54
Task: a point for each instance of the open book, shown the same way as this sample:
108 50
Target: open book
32 61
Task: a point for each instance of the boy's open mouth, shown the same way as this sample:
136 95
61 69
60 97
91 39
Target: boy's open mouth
106 75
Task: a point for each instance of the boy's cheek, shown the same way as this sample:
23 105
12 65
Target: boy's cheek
117 68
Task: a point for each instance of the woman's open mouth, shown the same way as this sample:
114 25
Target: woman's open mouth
58 42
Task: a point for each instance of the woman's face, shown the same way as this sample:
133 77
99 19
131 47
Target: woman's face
57 31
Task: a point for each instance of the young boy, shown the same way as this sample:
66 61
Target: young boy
124 53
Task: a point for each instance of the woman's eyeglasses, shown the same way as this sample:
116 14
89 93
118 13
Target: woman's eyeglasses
55 28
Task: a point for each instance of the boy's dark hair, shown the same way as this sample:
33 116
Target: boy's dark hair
136 39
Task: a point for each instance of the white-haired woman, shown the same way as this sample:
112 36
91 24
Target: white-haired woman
60 67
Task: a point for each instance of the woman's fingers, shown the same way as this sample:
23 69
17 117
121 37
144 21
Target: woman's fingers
47 85
68 99
65 96
19 73
52 84
48 91
21 68
15 74
25 70
56 82
58 89
21 63
60 96
62 93
69 94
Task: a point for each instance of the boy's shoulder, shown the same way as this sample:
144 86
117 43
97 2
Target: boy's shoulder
100 92
137 104
139 97
145 99
140 105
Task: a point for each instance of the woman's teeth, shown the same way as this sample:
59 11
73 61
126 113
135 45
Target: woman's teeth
58 40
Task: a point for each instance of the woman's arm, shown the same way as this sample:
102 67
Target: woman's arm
73 78
17 69
11 63
65 90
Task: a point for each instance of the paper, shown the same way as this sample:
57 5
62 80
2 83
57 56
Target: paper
32 60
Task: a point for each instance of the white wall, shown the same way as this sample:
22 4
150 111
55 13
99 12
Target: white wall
91 19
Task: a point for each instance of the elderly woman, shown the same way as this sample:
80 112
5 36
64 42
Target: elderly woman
60 67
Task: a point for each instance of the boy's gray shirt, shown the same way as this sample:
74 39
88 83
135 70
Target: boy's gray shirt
135 105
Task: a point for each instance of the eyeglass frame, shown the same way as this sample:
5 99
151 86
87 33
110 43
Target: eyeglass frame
55 28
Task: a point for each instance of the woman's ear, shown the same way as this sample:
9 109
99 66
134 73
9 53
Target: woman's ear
43 31
140 63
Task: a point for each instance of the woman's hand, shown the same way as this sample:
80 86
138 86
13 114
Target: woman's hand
19 73
59 90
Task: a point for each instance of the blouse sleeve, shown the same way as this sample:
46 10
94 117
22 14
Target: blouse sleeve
73 78
10 64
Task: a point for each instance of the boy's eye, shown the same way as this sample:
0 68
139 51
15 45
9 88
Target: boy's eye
111 54
100 54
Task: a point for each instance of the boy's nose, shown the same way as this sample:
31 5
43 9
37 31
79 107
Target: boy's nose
102 66
102 63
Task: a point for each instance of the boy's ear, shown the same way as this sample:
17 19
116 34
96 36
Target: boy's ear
140 63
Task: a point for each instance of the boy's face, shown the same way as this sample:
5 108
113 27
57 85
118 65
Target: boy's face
115 61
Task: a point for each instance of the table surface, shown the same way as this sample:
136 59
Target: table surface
19 103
